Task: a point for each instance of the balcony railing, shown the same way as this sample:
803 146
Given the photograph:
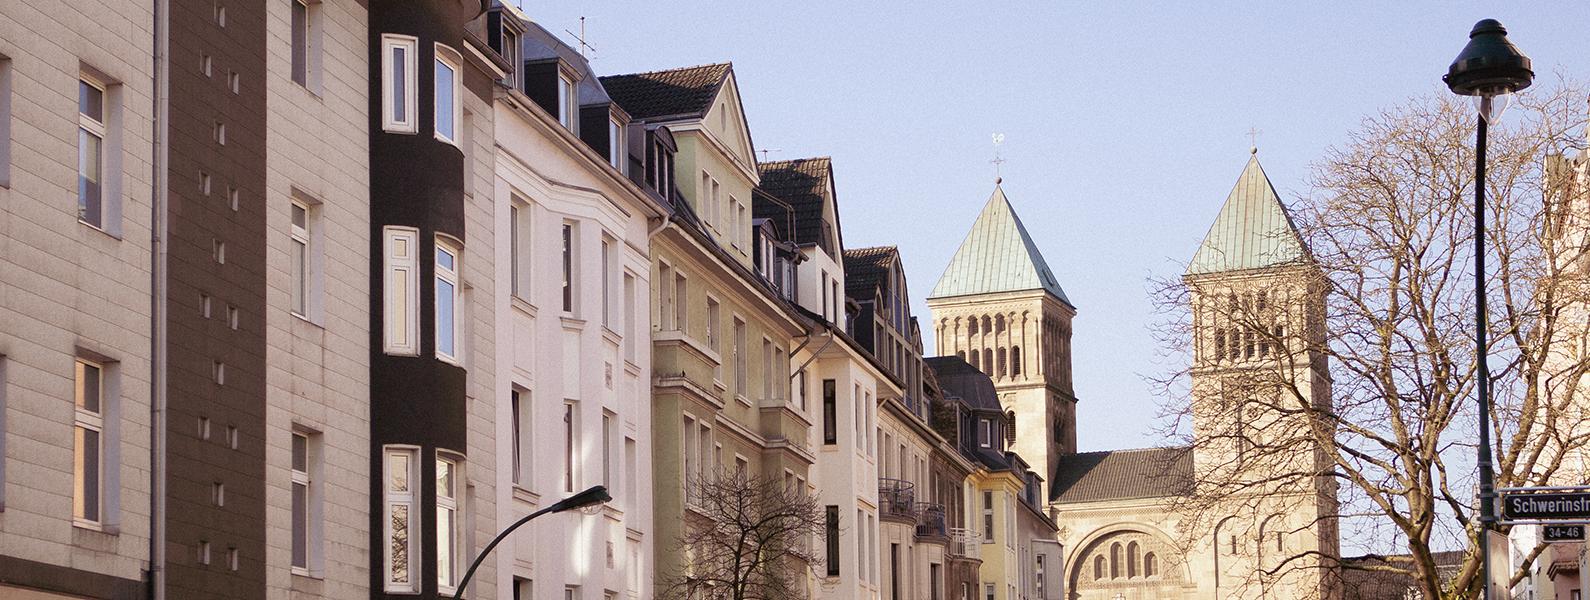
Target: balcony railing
896 498
930 519
965 543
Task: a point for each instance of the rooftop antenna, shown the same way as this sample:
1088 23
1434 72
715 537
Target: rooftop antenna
999 139
1253 140
581 37
767 150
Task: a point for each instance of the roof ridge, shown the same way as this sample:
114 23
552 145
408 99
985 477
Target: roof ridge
727 63
794 160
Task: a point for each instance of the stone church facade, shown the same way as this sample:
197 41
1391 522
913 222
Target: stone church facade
1137 524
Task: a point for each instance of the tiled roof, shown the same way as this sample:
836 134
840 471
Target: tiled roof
866 268
1253 230
804 184
997 256
1122 475
685 92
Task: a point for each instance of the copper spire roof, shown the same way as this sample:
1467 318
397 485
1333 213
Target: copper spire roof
1253 230
997 256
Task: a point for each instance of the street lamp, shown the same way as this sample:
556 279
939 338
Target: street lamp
1489 68
596 494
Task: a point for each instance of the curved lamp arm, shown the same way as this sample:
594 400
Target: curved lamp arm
593 495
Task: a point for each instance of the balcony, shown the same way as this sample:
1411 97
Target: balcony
930 521
896 500
965 544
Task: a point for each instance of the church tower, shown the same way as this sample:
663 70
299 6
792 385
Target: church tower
1258 306
998 307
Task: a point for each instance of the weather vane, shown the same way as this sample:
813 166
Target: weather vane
999 139
1253 140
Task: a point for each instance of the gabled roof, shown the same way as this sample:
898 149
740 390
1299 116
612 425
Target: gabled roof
867 269
804 184
997 256
1122 475
673 93
1253 230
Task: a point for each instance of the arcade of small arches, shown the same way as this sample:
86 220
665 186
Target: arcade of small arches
1132 562
994 343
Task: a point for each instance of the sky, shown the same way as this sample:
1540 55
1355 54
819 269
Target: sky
1126 124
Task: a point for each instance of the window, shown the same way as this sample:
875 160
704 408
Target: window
510 53
568 267
631 473
615 144
607 282
988 517
301 266
523 589
519 405
826 302
740 378
1150 565
306 43
742 227
449 529
519 247
306 502
714 323
88 454
571 443
398 78
401 547
830 413
768 376
91 131
988 591
985 433
1015 361
894 571
1038 576
665 313
401 291
607 449
1131 559
448 102
447 300
691 461
831 530
5 121
631 332
681 300
1115 560
566 101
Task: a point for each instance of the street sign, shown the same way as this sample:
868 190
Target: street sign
1550 506
1562 533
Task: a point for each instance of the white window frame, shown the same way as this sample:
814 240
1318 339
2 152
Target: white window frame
714 334
408 122
520 251
449 58
571 445
521 427
98 129
301 265
409 498
87 420
443 275
741 375
566 100
570 268
449 565
308 475
607 280
615 144
400 272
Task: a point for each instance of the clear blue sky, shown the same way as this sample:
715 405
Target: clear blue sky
1125 123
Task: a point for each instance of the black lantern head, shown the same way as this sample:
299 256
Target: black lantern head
1489 65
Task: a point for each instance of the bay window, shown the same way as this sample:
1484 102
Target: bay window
448 98
447 300
400 290
449 527
398 83
401 547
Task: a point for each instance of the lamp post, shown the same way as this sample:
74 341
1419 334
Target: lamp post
594 495
1489 68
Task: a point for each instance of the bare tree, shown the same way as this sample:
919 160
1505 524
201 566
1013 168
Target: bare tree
1388 226
755 544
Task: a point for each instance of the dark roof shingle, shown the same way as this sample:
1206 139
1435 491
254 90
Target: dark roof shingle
683 92
866 268
803 184
1122 475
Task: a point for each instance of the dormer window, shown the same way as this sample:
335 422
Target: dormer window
566 101
985 433
615 144
510 52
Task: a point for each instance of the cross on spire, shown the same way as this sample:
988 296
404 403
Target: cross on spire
1253 140
581 38
999 138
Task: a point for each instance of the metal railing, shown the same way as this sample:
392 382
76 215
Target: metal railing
965 543
930 519
896 498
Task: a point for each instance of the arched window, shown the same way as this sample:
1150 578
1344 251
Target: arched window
1220 344
1150 565
971 326
999 323
1010 425
1131 559
1015 361
1098 567
1001 356
1115 560
986 327
1059 434
975 363
961 354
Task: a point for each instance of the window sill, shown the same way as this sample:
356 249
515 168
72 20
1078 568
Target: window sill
743 400
100 229
525 495
631 368
300 573
719 385
307 320
612 336
93 526
572 323
523 306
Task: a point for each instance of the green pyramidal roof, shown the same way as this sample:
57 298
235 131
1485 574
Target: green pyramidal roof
997 256
1253 230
